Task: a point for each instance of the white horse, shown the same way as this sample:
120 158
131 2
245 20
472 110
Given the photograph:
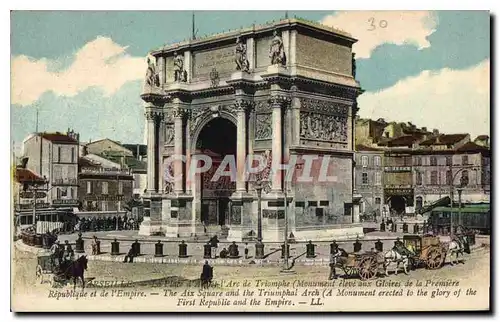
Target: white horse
458 246
392 256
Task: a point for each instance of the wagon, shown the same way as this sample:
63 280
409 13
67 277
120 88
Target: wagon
45 269
365 265
429 251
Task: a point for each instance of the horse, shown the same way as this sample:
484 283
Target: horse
76 270
393 256
458 246
337 259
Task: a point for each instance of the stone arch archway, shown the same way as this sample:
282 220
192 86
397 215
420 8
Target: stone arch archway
205 118
214 137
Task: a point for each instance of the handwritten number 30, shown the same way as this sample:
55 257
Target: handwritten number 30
382 24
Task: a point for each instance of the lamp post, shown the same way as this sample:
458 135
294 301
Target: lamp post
459 205
259 246
464 181
286 267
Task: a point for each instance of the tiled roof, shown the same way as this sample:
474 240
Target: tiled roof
27 176
472 147
405 140
361 147
143 148
86 163
444 139
59 137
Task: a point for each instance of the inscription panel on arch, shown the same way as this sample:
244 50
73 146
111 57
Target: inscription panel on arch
222 59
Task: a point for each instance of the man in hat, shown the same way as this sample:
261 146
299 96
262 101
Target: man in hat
55 249
95 246
206 274
130 255
400 248
69 254
334 255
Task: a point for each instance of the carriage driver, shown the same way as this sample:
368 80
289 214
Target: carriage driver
69 254
54 253
400 248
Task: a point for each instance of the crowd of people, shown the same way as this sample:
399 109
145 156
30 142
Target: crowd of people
106 223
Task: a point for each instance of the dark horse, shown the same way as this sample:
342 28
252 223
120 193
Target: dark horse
76 270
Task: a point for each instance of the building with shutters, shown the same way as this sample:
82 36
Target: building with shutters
369 179
54 157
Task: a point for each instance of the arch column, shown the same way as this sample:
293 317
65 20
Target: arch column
242 107
179 114
277 102
150 117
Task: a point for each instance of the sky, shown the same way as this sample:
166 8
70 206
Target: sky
84 70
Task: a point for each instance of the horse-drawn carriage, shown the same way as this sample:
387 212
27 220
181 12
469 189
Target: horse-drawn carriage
428 250
417 251
365 265
48 271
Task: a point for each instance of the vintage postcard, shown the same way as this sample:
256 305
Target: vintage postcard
239 161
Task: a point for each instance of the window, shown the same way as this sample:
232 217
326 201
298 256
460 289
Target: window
89 187
72 155
448 177
448 161
433 161
434 177
364 161
120 188
72 173
418 160
104 188
465 178
377 201
58 193
378 178
419 178
364 177
465 160
419 202
59 154
376 161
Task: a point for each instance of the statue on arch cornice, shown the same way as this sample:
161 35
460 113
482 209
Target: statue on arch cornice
240 55
277 50
152 76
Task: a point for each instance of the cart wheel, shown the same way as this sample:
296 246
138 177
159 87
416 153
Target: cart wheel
367 268
39 273
434 259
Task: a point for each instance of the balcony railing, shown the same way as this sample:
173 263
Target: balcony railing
65 202
29 206
65 181
105 171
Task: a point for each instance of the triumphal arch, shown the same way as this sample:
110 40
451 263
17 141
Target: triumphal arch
283 91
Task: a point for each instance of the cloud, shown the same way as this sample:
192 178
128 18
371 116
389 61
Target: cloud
100 63
374 28
453 101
